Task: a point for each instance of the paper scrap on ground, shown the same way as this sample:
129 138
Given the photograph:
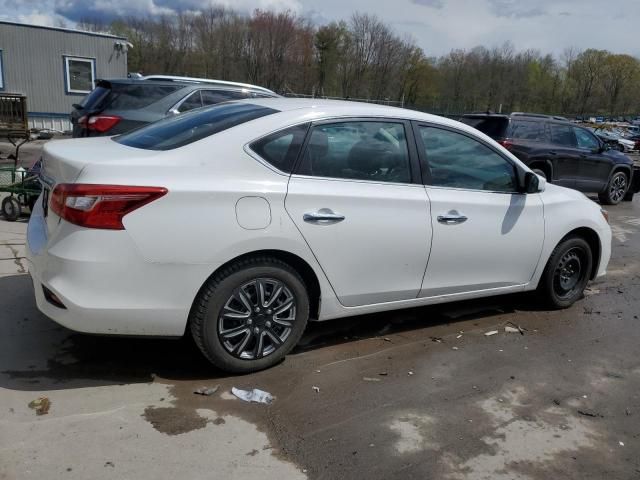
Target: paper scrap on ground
255 395
492 332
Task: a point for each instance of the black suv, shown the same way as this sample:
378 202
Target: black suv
118 106
564 153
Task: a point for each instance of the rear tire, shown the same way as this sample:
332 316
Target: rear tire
235 321
11 209
566 274
616 190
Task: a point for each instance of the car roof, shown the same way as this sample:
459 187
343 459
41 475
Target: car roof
184 83
346 108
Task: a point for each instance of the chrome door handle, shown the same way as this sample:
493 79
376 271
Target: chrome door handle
323 215
452 218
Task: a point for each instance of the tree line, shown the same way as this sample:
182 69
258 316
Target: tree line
363 58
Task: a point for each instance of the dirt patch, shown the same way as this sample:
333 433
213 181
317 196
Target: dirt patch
174 421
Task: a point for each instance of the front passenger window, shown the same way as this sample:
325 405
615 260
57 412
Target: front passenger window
459 161
585 139
375 151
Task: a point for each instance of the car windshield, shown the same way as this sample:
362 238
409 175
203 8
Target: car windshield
174 132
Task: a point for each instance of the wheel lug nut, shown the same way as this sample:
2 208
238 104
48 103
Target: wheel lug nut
268 324
257 310
256 330
249 322
269 312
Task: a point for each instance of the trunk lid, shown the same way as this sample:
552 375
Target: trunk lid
64 160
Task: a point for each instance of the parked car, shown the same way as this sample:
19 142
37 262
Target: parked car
242 221
118 106
563 153
614 140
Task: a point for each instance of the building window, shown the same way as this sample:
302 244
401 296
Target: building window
1 72
80 74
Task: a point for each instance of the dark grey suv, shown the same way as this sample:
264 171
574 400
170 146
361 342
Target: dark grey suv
118 106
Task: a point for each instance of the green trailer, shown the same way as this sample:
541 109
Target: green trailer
22 186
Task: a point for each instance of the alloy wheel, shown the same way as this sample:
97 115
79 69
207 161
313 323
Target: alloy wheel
618 187
257 318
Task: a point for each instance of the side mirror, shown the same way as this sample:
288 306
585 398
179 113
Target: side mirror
532 183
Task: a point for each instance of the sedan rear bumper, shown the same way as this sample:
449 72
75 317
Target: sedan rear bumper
95 281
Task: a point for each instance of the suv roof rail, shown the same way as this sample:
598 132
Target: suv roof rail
538 115
174 78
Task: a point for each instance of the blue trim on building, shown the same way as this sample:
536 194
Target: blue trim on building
66 79
68 30
48 114
1 72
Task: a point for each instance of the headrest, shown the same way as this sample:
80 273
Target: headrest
319 143
370 156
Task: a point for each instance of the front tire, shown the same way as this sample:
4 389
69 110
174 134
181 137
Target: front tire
616 189
567 273
250 315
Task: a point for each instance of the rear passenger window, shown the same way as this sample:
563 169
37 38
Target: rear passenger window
527 130
211 97
374 151
191 102
281 149
562 135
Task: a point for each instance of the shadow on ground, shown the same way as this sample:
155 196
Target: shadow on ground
38 354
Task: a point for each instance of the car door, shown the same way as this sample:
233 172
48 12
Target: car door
486 234
563 154
361 207
594 166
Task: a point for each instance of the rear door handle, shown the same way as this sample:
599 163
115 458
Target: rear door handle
324 215
452 218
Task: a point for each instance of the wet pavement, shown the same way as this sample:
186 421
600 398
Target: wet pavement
420 393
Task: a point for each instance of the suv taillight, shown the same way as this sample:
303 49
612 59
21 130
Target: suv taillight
100 206
506 144
99 123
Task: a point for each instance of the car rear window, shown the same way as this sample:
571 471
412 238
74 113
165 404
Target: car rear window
125 96
186 128
494 127
527 130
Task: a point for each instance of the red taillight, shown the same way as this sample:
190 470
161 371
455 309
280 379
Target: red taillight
100 206
506 144
99 123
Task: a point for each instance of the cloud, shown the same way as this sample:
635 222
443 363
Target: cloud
516 9
429 3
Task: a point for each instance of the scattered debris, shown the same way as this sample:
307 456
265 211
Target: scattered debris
206 391
557 402
627 412
590 413
109 464
386 339
492 332
436 339
621 444
370 379
584 396
383 374
454 348
591 291
513 328
40 405
316 389
459 336
409 372
255 395
317 371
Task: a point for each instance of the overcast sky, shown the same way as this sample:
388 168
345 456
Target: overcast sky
437 25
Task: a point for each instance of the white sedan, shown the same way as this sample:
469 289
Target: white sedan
242 221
